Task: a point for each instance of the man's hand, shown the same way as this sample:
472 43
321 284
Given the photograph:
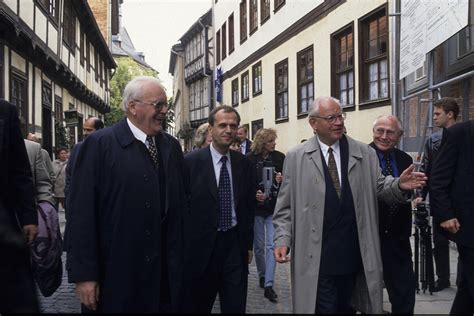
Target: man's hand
410 180
416 201
452 225
260 196
278 177
250 256
88 293
30 232
281 254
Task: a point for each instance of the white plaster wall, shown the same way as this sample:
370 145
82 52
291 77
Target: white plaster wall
12 4
18 62
291 12
359 123
27 9
53 38
41 23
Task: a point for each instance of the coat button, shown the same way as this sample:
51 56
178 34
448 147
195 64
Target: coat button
147 232
313 230
147 205
311 256
145 177
147 259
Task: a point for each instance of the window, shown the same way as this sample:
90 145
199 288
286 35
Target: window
374 74
69 23
218 47
278 4
19 98
88 55
58 109
281 90
96 63
342 75
235 92
231 33
50 7
257 78
264 10
256 125
253 19
243 21
224 41
305 79
244 80
82 52
465 41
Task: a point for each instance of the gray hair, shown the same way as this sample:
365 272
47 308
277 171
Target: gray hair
314 109
389 117
133 89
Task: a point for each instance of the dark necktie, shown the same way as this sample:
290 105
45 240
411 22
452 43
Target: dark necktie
225 197
152 150
388 170
333 172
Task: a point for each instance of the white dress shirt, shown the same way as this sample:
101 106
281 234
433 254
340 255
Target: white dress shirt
138 133
217 164
336 150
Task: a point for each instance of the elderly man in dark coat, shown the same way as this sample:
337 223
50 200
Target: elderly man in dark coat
126 210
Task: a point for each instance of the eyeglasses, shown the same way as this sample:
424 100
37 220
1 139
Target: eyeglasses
381 131
331 119
157 105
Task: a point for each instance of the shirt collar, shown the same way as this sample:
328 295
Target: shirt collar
325 148
138 133
216 156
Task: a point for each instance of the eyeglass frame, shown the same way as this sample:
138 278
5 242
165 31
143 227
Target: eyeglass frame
331 119
379 131
157 105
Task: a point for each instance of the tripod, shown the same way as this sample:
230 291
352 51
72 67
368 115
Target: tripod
424 271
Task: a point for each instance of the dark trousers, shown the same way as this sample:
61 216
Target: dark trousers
441 253
334 294
464 300
225 274
398 275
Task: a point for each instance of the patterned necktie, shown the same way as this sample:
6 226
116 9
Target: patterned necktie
225 197
388 170
152 149
333 172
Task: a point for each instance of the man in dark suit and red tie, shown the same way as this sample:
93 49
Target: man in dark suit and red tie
219 229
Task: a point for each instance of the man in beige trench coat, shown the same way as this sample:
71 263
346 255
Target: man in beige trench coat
326 213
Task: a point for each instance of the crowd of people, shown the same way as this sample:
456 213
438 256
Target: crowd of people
149 229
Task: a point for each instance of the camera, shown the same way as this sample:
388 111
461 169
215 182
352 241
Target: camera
266 173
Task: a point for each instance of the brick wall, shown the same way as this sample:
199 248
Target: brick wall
100 9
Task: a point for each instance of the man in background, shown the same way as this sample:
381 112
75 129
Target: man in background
245 143
395 219
445 113
46 158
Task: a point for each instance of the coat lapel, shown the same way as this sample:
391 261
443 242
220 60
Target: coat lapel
314 152
354 154
209 171
165 150
236 170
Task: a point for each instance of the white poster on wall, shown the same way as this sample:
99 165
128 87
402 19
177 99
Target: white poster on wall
425 25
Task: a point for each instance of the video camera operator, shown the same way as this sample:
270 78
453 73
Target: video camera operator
268 164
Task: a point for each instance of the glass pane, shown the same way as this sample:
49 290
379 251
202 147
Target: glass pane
351 96
373 30
310 91
384 88
342 97
373 91
342 43
373 72
350 75
383 44
309 71
303 92
304 105
342 81
382 25
373 50
383 69
343 61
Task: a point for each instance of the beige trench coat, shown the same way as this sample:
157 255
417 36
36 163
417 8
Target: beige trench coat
298 221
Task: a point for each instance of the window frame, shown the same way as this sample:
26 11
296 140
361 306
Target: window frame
278 92
243 21
336 72
224 40
23 107
255 124
51 9
278 4
263 16
253 16
244 88
69 27
218 47
235 91
231 36
365 61
305 83
255 66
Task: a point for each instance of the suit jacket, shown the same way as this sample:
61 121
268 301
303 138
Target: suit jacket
452 181
41 179
396 227
299 218
248 143
16 184
202 221
115 225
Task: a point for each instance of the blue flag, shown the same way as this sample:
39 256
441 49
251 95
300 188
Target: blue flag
217 84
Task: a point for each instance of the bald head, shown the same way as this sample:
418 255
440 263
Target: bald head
32 137
91 125
387 131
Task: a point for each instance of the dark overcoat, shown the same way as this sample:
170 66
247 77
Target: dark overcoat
114 229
